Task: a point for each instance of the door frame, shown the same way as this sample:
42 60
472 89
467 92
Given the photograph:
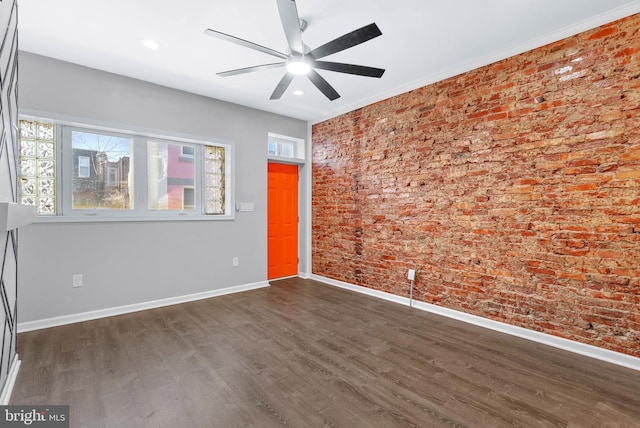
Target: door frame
305 166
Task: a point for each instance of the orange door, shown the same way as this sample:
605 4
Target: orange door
282 214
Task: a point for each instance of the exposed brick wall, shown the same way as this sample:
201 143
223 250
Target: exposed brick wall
513 190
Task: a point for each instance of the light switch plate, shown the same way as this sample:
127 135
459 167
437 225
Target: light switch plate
247 206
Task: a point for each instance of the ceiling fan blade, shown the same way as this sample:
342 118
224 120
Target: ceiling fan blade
291 24
245 43
359 70
251 69
282 86
323 85
351 39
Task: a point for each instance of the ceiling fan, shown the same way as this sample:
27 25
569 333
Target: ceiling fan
301 60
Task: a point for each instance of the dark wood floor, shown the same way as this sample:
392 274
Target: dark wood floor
304 354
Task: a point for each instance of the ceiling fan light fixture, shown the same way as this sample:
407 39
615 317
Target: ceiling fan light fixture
298 67
151 44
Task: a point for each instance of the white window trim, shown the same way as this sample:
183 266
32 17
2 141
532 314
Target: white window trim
65 156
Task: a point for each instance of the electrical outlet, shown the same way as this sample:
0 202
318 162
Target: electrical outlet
235 262
77 280
411 275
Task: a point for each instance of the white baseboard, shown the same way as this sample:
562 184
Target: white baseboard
120 310
535 336
283 277
304 275
5 396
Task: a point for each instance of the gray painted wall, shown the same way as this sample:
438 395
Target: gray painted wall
133 262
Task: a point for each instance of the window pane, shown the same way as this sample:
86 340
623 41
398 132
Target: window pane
94 156
169 175
273 148
286 150
214 166
282 146
38 165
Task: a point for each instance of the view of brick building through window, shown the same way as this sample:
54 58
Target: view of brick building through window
101 165
172 175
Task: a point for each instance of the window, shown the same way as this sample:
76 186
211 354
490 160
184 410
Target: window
83 166
108 173
285 147
37 166
187 153
281 148
168 176
112 177
215 161
100 156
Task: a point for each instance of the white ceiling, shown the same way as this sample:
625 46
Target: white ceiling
423 41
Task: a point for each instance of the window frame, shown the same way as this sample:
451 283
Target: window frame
65 156
140 211
198 179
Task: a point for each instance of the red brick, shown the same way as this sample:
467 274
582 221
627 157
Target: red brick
609 254
582 187
629 219
622 175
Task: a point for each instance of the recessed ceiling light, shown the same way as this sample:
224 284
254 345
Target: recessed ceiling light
150 44
298 92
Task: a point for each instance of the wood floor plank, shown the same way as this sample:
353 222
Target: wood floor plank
304 354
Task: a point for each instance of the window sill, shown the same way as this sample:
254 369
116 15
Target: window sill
148 219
